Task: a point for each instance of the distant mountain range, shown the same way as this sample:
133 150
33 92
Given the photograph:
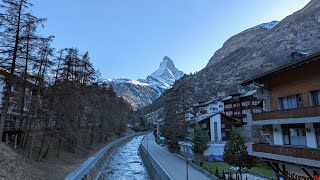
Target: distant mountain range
142 92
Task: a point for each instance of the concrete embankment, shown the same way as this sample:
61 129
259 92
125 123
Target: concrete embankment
93 165
154 169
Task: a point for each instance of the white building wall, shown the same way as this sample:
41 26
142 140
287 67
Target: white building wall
214 150
215 107
217 119
277 134
311 136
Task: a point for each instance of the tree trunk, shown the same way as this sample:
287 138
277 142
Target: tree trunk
31 147
48 146
60 147
91 139
41 147
12 70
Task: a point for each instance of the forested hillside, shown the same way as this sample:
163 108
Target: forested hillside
53 102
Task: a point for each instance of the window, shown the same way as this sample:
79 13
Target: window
237 112
244 119
255 103
257 110
295 136
214 109
220 106
228 106
245 111
318 135
314 98
215 125
290 102
247 103
229 113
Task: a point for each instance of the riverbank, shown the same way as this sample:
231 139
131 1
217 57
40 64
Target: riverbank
15 163
125 163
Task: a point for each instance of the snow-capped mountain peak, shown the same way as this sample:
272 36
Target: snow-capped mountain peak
268 26
142 92
165 75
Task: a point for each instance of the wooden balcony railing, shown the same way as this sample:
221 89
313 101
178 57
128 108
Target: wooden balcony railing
292 151
290 113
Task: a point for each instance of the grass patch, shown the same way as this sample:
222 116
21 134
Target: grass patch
262 170
211 167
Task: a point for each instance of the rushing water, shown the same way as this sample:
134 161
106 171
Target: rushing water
125 164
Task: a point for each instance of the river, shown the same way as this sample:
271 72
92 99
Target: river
125 163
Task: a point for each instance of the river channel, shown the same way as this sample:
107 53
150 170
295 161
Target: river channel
125 163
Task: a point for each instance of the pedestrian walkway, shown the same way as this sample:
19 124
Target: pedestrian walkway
175 167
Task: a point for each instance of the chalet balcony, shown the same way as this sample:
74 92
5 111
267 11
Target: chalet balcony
291 151
290 113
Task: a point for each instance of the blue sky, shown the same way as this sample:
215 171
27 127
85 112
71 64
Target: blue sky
129 38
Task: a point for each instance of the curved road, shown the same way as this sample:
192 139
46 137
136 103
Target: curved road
173 165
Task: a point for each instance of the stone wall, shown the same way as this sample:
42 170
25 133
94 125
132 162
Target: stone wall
155 171
91 168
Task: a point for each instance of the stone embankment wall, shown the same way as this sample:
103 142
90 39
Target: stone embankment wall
94 164
155 171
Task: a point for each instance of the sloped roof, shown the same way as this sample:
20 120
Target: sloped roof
248 93
226 98
206 116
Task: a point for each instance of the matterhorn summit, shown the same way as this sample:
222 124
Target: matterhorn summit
142 92
165 76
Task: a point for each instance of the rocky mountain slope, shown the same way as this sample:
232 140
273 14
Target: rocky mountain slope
261 49
257 50
142 92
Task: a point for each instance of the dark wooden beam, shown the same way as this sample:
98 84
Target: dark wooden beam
284 168
307 173
273 168
279 170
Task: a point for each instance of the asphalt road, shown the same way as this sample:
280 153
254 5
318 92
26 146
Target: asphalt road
173 165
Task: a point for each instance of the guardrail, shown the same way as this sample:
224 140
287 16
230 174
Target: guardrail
153 167
95 163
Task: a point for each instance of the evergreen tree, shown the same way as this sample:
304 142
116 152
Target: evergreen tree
142 122
200 140
235 152
175 106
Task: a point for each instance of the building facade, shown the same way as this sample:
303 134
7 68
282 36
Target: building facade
13 122
208 107
238 105
218 126
291 123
